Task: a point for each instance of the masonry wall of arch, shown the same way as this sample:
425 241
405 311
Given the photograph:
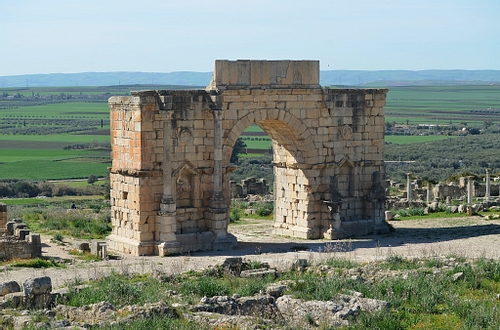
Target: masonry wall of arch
170 170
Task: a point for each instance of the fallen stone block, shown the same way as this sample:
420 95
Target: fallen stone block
37 286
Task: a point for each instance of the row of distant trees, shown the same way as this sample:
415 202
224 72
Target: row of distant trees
443 160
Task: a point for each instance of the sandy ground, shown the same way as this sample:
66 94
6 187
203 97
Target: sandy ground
470 237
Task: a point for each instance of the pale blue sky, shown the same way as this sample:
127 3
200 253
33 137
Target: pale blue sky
54 36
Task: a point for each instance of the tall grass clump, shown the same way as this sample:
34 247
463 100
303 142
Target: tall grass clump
33 263
119 290
205 286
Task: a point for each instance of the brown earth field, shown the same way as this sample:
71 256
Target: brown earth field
469 237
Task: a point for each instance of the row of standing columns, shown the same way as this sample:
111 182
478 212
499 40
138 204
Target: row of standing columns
470 182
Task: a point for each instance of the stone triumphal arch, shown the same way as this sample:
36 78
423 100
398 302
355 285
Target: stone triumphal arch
170 188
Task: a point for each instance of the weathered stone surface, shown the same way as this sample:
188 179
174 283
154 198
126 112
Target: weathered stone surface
9 287
262 305
13 300
37 286
276 290
458 276
16 240
261 272
300 264
325 313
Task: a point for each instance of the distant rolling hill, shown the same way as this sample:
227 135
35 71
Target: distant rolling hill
190 78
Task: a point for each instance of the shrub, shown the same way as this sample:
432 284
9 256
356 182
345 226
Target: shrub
58 237
412 211
265 209
235 215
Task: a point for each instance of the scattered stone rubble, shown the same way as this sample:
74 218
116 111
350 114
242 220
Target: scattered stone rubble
270 308
249 186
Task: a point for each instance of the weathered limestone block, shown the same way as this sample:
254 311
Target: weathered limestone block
9 287
37 286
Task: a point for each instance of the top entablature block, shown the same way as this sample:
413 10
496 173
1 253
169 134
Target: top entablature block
274 74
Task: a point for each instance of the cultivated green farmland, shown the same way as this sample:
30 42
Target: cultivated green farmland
29 149
43 130
47 170
263 143
67 110
443 104
401 139
16 155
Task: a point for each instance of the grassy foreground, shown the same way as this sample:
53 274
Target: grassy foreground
431 293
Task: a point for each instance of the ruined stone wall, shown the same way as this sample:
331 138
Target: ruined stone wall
16 240
21 249
3 215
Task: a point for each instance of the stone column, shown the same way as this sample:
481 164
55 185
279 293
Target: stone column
408 187
429 193
166 220
469 190
488 187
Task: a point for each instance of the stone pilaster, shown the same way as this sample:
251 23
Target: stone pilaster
167 202
217 201
166 220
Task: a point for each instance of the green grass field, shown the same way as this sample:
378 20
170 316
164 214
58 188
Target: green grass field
401 139
67 110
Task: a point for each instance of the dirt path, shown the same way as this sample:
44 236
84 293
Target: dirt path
470 237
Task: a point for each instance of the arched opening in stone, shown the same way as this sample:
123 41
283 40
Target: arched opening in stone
291 142
252 179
